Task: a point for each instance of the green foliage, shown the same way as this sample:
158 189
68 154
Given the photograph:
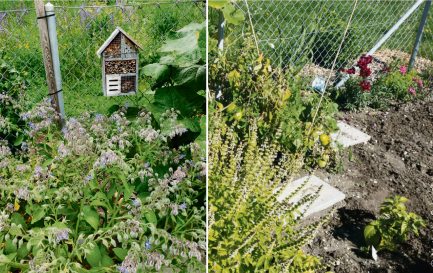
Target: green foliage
104 194
393 226
163 24
231 14
326 44
180 78
249 88
249 229
13 85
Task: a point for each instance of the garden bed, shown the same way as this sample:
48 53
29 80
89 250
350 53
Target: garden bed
397 160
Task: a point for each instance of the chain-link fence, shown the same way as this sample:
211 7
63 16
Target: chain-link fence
82 27
308 33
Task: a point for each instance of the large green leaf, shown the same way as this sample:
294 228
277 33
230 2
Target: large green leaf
151 217
188 103
193 75
217 4
91 217
38 212
158 72
192 124
193 27
120 253
201 139
184 50
232 15
94 257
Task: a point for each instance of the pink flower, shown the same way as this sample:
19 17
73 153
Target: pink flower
403 70
418 82
412 90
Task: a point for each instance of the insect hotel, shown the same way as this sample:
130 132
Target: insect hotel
119 64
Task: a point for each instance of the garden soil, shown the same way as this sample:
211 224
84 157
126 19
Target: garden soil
397 160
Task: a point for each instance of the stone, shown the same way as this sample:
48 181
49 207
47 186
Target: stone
328 195
348 135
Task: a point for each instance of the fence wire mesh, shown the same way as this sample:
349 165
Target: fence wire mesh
300 33
82 27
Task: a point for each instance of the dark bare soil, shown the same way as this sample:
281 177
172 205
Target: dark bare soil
397 160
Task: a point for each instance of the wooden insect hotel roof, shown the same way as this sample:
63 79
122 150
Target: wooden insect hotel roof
112 37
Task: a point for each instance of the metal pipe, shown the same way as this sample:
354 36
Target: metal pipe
387 36
419 34
52 33
221 26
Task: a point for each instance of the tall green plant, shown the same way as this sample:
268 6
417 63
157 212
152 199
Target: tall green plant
248 87
249 229
180 78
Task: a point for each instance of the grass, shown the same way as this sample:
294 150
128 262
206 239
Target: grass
80 35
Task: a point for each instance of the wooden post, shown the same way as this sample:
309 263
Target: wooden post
46 53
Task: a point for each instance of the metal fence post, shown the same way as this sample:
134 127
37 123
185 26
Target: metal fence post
221 25
46 53
419 34
52 32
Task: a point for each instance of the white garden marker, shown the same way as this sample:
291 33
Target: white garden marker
349 135
328 195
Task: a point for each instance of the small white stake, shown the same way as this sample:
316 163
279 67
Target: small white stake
374 253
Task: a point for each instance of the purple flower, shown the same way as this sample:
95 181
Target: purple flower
22 193
62 235
123 269
148 245
182 206
136 202
99 118
88 178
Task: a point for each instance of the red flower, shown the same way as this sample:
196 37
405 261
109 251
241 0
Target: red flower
365 72
350 71
364 61
365 86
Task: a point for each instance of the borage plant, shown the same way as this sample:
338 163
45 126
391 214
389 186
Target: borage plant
105 194
12 91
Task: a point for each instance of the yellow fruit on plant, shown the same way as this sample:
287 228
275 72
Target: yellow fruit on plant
237 116
324 139
325 157
231 107
220 106
322 163
287 94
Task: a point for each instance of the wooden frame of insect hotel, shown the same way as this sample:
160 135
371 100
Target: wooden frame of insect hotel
119 64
